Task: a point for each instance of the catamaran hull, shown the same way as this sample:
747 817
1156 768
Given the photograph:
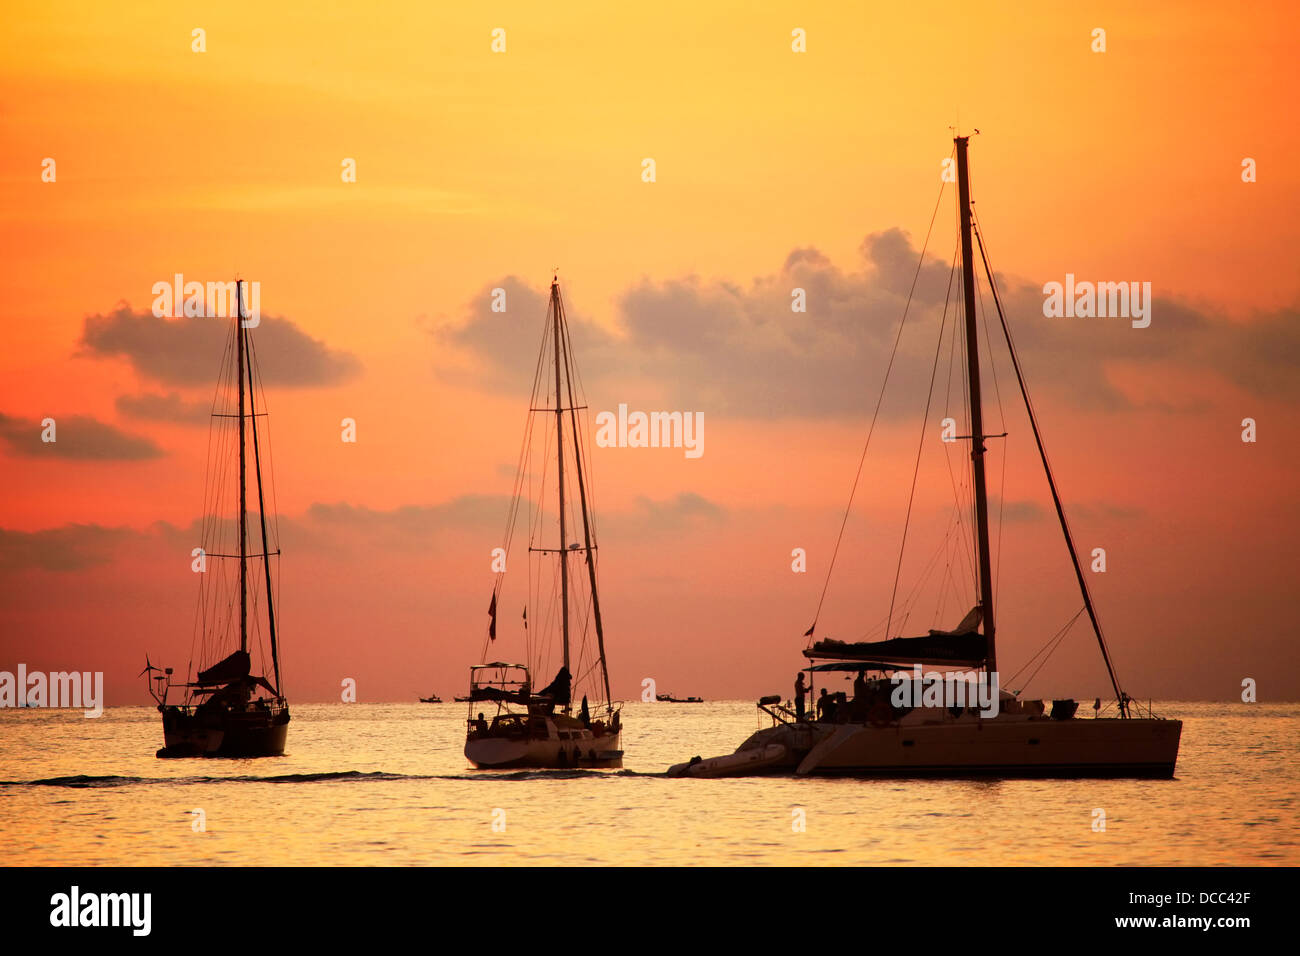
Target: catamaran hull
981 748
255 734
1010 748
493 753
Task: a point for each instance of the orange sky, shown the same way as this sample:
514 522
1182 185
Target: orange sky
474 167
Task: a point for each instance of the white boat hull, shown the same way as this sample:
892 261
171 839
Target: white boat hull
1006 746
741 763
499 753
1038 747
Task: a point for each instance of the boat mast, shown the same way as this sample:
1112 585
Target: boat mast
976 414
559 452
586 521
261 511
243 491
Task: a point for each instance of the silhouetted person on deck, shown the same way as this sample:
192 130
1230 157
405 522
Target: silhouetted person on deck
800 691
860 690
584 715
826 707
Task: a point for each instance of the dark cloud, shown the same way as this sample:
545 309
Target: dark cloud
322 526
413 523
674 512
1017 511
164 408
72 547
734 348
76 436
187 351
1101 512
506 343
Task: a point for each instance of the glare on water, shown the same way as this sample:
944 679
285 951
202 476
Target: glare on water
388 784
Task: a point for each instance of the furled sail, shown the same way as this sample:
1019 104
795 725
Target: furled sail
232 668
963 646
558 690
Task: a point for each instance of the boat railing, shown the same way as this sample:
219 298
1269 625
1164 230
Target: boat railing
778 710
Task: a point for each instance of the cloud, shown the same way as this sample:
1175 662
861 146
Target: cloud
505 344
76 436
416 524
72 547
738 348
187 351
1016 510
322 526
674 512
164 408
726 347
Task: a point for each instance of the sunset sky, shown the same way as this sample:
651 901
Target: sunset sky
775 169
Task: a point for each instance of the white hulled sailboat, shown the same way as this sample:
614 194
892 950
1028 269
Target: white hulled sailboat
512 724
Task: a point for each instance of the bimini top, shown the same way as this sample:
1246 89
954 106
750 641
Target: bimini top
962 647
479 667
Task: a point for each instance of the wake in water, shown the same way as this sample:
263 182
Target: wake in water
84 781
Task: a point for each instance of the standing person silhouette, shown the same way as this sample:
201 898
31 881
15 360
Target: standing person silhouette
800 690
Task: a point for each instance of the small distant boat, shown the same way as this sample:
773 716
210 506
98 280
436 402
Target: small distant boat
228 711
431 699
544 728
670 699
462 700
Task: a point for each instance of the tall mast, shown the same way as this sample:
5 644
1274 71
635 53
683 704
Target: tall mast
261 512
243 491
976 414
586 521
559 452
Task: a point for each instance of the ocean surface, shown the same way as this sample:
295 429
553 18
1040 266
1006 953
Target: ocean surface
387 784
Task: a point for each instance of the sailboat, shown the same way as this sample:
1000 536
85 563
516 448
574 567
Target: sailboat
547 728
904 721
228 711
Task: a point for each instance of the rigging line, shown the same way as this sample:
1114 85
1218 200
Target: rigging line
587 529
523 475
966 538
1121 698
920 446
270 453
1048 643
211 488
1059 641
967 477
874 415
575 372
945 582
1002 420
914 595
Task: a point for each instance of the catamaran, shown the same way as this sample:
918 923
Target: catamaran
547 728
228 711
913 711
